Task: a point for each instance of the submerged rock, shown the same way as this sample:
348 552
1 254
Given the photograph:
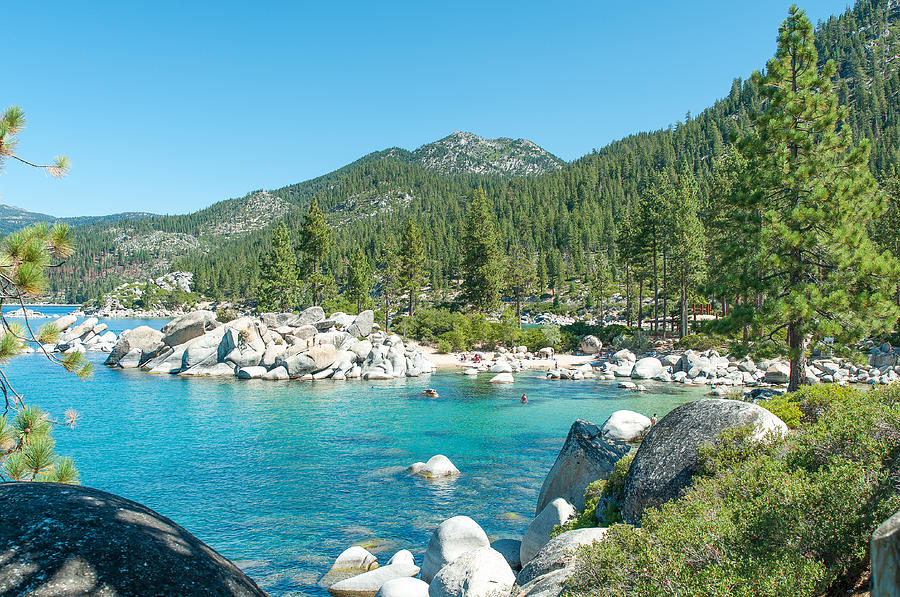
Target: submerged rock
73 540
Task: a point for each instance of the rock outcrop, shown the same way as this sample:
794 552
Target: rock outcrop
624 426
73 540
667 458
584 458
482 572
451 539
538 533
558 553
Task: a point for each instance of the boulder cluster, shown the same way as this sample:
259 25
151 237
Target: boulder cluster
89 335
712 368
462 561
274 346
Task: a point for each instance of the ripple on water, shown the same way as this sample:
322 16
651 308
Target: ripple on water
282 477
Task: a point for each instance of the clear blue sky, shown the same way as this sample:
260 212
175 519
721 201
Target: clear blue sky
171 106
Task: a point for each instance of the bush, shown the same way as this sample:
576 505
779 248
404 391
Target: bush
444 346
699 342
639 341
790 517
227 314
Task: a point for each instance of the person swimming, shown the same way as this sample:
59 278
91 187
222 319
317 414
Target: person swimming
524 399
431 393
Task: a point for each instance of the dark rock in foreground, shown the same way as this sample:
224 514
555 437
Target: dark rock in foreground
70 540
667 459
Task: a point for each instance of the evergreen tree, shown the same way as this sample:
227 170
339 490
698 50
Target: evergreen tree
686 240
600 279
481 263
278 286
411 264
521 278
386 277
315 239
359 280
814 193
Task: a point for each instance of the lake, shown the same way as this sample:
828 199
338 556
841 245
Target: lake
280 477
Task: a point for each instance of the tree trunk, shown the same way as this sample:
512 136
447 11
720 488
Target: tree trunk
796 342
684 308
518 310
640 314
412 304
628 295
387 311
665 326
655 327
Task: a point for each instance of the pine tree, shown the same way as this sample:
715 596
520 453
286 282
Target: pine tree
278 285
687 238
481 263
600 279
386 276
359 280
315 239
411 264
814 194
521 278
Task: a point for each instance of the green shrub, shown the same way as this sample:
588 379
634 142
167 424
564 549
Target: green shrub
790 517
699 342
616 482
785 408
587 518
444 346
227 314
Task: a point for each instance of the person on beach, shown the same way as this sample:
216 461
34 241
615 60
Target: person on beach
524 399
653 420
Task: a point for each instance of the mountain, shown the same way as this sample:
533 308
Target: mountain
12 218
465 153
565 214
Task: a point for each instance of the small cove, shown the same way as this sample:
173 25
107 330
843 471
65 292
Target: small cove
282 476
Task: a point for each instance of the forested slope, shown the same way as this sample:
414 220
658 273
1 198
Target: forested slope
566 216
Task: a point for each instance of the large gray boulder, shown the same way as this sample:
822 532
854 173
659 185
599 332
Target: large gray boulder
647 368
590 345
625 426
886 558
667 458
482 572
451 539
558 553
310 316
141 344
362 325
185 328
510 550
72 540
584 458
778 372
538 533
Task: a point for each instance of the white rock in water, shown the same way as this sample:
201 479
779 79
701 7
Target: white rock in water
625 426
538 533
471 371
483 572
403 587
503 378
437 466
450 540
251 372
501 367
647 368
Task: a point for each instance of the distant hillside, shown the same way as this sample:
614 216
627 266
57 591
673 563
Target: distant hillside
565 214
465 153
12 218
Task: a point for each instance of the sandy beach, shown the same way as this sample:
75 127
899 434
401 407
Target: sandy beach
451 360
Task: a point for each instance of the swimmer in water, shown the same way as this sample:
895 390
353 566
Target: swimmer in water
524 399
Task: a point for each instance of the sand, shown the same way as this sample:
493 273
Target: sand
451 361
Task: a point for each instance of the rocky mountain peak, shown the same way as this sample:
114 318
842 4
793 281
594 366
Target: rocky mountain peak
467 153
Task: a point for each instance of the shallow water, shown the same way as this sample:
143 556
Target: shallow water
280 477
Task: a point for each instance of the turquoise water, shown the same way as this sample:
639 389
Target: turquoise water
282 476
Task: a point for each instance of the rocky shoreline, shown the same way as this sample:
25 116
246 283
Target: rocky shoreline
273 346
460 559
